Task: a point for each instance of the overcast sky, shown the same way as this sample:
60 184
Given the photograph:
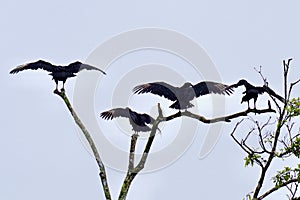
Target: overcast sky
43 156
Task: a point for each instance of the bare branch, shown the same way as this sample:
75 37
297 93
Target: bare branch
261 75
260 133
88 137
157 121
131 174
236 140
243 144
291 87
266 84
286 66
133 171
134 138
218 119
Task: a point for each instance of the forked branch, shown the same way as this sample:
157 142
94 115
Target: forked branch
133 171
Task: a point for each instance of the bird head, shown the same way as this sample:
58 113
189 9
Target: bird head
242 82
266 84
244 99
75 63
186 85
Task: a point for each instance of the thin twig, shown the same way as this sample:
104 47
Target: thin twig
261 75
236 140
291 87
266 86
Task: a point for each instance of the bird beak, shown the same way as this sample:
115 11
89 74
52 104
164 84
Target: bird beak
103 72
234 85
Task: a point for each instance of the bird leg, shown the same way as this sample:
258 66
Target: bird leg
255 99
255 105
135 134
56 86
63 87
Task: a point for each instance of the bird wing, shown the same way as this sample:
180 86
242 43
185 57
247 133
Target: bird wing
147 118
274 94
140 119
260 90
36 65
77 66
207 87
116 112
241 82
158 88
135 116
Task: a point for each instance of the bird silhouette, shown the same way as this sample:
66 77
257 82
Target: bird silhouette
138 121
59 73
252 92
181 96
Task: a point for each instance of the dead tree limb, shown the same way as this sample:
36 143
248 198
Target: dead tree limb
88 137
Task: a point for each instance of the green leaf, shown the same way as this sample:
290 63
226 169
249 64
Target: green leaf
293 108
249 160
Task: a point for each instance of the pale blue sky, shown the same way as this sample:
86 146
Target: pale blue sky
42 155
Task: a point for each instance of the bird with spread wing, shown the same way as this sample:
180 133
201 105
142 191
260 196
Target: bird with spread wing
181 96
138 121
252 92
59 73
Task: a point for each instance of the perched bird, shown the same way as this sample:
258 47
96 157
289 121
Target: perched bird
252 92
181 96
59 73
138 121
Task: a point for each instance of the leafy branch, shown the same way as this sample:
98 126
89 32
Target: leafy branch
274 144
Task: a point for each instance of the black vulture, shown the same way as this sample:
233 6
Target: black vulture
252 92
138 121
59 73
181 96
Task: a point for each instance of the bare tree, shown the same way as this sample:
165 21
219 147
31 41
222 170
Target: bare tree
133 170
281 143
